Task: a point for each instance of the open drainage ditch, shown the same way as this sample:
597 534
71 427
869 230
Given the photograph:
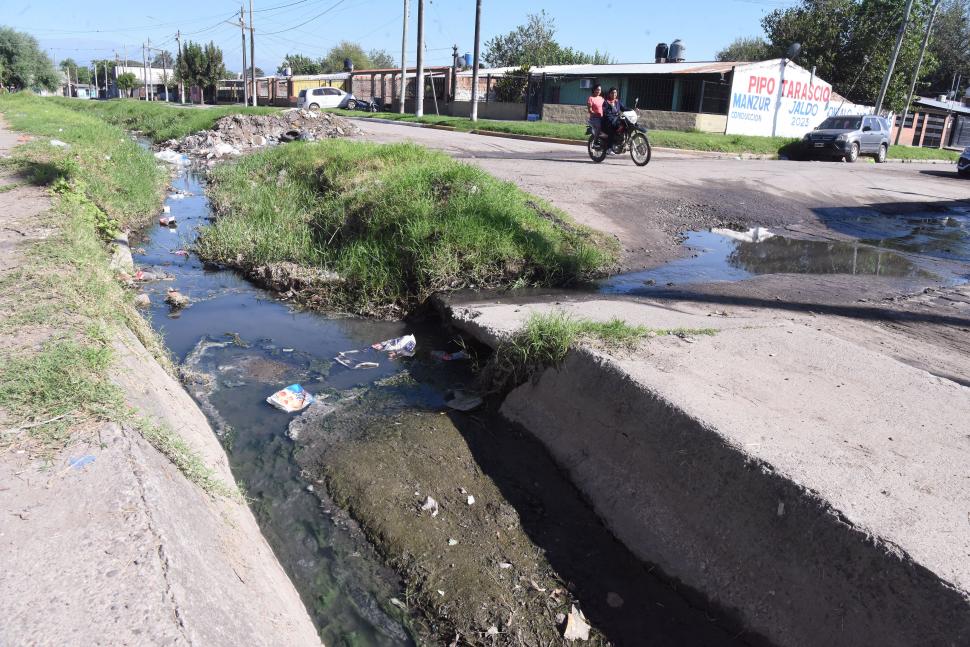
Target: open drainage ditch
238 344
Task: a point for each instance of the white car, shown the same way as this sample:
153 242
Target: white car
317 98
963 164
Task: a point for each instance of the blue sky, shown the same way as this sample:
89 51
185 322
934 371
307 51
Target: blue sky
98 28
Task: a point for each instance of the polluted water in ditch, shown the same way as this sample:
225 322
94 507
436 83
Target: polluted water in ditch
238 344
912 254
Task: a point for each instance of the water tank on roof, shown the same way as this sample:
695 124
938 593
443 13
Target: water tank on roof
348 65
660 53
676 52
468 59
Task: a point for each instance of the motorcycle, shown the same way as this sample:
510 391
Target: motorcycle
631 136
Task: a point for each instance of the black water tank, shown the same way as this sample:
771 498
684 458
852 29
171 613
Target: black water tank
660 54
348 65
677 51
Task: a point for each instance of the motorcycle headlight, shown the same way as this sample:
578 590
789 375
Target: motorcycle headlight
841 138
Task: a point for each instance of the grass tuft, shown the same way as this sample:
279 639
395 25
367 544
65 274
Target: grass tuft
395 223
546 338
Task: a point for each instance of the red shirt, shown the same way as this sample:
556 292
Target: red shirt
595 105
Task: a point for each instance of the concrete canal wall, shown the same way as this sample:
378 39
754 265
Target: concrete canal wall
815 488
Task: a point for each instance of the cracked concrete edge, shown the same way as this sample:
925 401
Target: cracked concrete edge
738 529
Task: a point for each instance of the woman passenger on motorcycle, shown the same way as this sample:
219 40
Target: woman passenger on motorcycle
594 106
612 108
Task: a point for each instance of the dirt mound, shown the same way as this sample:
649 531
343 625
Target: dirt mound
235 134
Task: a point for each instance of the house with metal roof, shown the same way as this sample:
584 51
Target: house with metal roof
934 123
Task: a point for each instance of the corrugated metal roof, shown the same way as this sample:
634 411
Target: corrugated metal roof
950 106
619 69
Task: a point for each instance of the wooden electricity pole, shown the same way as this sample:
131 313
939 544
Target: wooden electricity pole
252 50
245 72
919 63
178 41
892 61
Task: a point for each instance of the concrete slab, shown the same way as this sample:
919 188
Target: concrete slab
816 487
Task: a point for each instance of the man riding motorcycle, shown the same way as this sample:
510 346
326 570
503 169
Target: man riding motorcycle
612 108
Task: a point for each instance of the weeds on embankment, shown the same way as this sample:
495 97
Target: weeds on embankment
545 339
62 307
159 121
392 224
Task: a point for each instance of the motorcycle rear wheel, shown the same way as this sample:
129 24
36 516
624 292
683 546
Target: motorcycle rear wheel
640 149
597 151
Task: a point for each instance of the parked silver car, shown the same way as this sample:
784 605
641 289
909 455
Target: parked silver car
963 164
847 137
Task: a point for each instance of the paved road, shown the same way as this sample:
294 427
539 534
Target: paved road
646 208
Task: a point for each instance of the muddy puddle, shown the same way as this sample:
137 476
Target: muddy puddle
238 344
913 250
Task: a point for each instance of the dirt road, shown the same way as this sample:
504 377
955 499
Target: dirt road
646 208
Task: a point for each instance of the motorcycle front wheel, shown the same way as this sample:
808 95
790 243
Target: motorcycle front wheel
640 149
597 151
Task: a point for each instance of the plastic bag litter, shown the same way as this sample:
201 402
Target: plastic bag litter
171 157
291 399
576 626
398 347
352 363
462 401
166 209
166 221
432 505
58 143
445 356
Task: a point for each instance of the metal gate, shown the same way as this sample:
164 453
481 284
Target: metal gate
960 135
534 93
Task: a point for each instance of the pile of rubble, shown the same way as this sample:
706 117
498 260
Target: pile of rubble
235 134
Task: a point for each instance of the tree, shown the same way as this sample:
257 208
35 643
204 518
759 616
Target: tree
380 59
334 60
163 60
512 85
23 63
746 49
126 82
950 45
200 66
300 64
850 41
534 44
259 72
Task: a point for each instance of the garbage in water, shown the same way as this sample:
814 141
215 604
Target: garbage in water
166 221
351 363
166 209
180 252
142 300
399 604
445 356
576 626
172 157
58 143
291 399
462 401
398 347
78 463
432 505
176 299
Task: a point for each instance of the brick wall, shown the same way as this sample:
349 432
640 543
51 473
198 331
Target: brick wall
652 119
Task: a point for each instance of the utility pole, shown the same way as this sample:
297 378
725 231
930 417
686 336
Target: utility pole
178 40
478 38
116 75
252 50
419 81
892 61
919 63
144 71
151 86
245 72
454 72
404 56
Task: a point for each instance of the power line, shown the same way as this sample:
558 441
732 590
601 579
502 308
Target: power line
326 11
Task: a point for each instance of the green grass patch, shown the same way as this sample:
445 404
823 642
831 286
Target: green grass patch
102 161
65 297
158 121
394 222
545 339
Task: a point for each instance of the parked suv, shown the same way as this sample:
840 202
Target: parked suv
316 98
848 136
963 164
